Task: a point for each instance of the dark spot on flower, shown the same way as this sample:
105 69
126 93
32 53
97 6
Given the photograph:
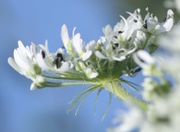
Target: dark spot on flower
120 32
137 70
113 47
145 24
116 44
135 21
43 54
57 63
115 37
60 56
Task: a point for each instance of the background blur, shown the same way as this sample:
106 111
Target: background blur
37 20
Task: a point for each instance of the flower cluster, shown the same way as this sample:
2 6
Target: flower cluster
100 63
161 89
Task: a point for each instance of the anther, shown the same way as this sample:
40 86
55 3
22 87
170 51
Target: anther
60 57
145 24
43 54
135 21
120 32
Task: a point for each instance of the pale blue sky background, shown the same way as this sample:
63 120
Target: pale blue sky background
37 20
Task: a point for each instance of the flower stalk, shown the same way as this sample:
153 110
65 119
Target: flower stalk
115 88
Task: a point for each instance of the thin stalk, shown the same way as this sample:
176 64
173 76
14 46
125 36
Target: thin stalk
60 84
61 78
115 88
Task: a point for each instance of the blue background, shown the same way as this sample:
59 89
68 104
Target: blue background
22 110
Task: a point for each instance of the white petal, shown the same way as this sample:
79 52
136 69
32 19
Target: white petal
125 23
100 55
107 30
90 73
41 62
21 63
91 45
13 64
65 36
66 66
86 55
77 43
119 58
33 48
143 58
170 21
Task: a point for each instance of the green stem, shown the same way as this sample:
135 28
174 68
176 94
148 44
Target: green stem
61 78
61 84
115 88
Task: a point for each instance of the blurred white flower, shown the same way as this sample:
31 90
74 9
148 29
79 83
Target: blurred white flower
161 87
129 121
154 27
54 62
74 46
25 63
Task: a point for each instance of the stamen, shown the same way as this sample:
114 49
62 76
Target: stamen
43 54
120 32
60 57
57 62
135 21
116 44
145 24
113 47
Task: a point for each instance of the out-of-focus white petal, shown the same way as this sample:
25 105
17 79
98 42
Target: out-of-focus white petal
107 30
119 58
65 36
100 55
41 62
142 58
65 66
91 45
90 73
13 64
86 55
170 21
77 43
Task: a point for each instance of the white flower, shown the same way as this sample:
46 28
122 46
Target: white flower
144 60
89 70
25 63
54 62
129 121
74 46
154 27
44 58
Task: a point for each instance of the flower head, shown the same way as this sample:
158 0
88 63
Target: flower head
25 63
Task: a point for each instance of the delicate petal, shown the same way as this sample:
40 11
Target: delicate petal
65 36
77 44
100 55
13 64
86 55
143 58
